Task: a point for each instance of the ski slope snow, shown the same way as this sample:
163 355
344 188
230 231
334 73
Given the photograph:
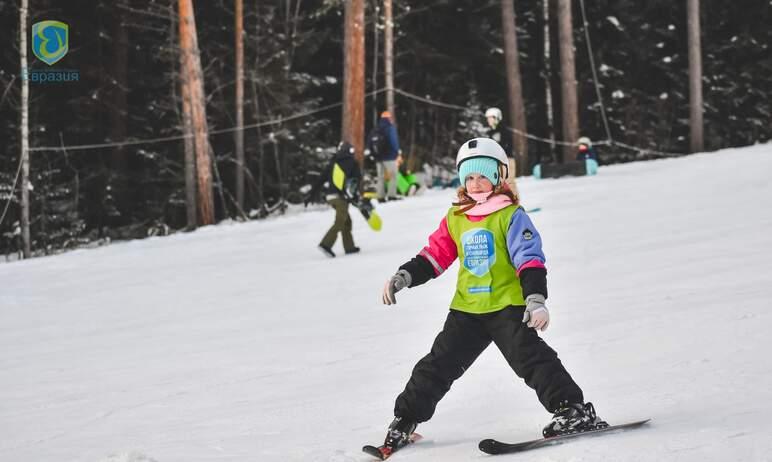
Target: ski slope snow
242 342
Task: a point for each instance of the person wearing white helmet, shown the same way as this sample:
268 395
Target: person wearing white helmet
496 130
500 294
501 134
495 114
585 150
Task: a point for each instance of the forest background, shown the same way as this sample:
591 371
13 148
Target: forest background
450 52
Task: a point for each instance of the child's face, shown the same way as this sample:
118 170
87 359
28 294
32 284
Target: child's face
476 183
492 122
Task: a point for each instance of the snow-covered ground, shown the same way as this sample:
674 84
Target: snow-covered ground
242 342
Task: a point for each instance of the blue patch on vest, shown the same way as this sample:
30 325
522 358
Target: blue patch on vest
479 251
480 289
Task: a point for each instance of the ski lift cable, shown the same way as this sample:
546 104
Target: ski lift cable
279 120
609 139
84 147
590 53
648 151
462 108
652 152
275 121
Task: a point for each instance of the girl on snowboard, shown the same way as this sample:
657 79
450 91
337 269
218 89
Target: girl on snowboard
499 298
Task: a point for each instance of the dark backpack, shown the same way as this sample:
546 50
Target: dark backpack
348 186
379 142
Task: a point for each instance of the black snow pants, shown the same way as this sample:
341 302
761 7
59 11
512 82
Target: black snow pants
463 338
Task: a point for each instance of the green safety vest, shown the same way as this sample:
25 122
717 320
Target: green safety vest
487 280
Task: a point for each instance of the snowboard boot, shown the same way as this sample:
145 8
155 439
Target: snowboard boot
399 433
573 418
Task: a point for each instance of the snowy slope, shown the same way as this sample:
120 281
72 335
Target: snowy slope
243 343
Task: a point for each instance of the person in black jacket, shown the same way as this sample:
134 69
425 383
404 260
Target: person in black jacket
497 131
340 183
585 151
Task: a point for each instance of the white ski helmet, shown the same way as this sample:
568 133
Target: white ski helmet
482 147
585 141
493 112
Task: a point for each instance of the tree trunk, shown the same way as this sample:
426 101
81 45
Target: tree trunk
190 150
256 102
569 111
548 78
514 87
695 77
118 116
190 159
388 57
279 176
260 181
354 78
193 75
25 235
239 134
183 114
376 22
413 126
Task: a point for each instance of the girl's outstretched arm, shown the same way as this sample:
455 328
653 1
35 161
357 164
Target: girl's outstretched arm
433 259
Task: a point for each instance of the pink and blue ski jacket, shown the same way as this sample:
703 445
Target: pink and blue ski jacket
524 246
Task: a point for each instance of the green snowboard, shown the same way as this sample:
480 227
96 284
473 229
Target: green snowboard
368 211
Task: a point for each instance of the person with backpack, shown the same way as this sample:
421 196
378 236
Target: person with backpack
496 130
340 181
499 298
383 146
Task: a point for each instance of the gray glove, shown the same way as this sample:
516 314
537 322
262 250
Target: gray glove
536 314
396 283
